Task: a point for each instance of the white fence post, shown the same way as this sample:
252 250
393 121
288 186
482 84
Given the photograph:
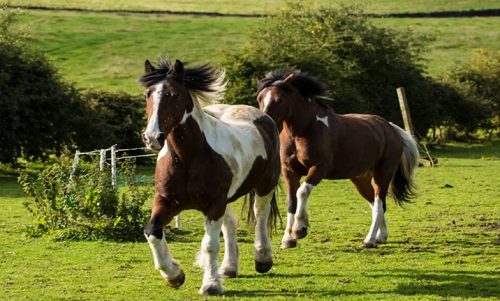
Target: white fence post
75 163
113 166
102 159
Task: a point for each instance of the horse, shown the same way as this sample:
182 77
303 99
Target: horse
209 157
377 156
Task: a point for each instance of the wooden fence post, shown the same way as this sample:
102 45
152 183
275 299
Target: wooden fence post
405 110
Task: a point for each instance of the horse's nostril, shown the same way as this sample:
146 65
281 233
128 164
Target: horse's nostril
161 138
144 138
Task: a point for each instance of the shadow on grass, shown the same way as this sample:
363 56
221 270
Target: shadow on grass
439 283
9 188
488 150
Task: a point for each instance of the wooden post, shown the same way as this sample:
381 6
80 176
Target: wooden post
405 110
113 166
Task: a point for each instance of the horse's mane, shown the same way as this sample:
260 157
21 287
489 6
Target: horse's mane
204 82
308 86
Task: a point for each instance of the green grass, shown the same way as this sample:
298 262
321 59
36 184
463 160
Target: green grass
444 246
262 7
457 37
107 51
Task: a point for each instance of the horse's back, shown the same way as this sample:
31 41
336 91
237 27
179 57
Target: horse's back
241 135
361 142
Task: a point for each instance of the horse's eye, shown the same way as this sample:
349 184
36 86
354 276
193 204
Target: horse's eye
176 95
147 94
280 100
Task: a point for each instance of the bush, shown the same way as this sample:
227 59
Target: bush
41 114
360 63
116 118
480 81
84 205
35 103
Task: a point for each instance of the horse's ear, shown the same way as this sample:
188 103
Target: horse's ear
179 68
258 78
148 68
289 78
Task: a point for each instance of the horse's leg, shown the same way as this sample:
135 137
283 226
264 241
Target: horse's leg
263 256
229 267
314 176
169 268
380 185
365 189
208 257
292 182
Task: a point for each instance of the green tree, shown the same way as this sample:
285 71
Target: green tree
361 64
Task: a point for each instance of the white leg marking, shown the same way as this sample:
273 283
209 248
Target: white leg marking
168 267
267 101
377 216
301 218
229 265
262 245
322 119
288 231
382 232
208 257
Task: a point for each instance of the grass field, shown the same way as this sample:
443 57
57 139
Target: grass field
444 246
262 7
107 51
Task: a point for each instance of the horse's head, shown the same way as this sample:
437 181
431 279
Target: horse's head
167 99
276 100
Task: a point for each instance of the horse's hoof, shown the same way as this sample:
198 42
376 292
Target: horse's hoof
263 267
299 234
228 274
380 241
211 290
176 281
368 245
288 244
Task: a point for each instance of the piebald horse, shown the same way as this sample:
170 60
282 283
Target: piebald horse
377 156
209 158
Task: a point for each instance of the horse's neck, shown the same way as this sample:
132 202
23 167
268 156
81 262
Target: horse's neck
300 118
186 139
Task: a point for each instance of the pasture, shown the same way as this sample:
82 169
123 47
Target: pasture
444 246
263 7
107 51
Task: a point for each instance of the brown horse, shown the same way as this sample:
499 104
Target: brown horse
377 156
209 158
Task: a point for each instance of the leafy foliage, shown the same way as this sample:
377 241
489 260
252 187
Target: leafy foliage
116 118
480 80
41 114
361 64
84 205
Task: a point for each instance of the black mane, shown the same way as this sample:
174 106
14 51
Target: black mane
308 86
201 78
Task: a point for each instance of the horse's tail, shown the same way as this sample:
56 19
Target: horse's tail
403 184
274 213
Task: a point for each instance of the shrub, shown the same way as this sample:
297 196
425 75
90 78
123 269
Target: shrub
84 205
117 118
360 63
35 103
480 81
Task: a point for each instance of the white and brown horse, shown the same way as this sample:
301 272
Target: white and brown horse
209 158
377 156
